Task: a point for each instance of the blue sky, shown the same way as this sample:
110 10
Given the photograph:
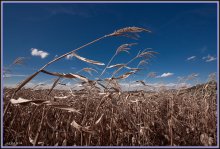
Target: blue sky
184 35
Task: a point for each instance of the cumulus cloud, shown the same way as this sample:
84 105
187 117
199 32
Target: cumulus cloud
36 52
191 58
209 58
165 75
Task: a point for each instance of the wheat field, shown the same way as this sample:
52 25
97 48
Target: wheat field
102 114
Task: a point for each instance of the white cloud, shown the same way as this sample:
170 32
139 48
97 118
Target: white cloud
171 85
69 56
165 75
36 52
68 84
132 86
152 86
209 58
191 58
13 75
196 75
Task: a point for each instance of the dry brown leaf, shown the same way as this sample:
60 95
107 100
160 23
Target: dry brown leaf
125 75
19 101
64 107
63 97
32 141
23 101
99 119
89 70
134 69
116 65
75 125
87 60
69 75
64 142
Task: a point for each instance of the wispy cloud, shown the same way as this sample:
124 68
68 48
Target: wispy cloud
181 79
209 58
152 86
165 75
204 49
13 75
36 52
171 85
75 11
191 58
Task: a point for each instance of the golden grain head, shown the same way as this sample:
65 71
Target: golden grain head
129 30
124 47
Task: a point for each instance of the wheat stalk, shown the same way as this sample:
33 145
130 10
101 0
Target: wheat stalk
124 47
116 33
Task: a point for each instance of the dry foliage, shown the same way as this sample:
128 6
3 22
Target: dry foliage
102 114
182 118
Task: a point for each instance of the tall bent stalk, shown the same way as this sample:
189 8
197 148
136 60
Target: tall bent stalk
121 32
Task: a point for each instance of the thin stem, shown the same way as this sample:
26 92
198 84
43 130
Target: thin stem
54 60
108 64
6 108
123 66
120 69
39 128
64 55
